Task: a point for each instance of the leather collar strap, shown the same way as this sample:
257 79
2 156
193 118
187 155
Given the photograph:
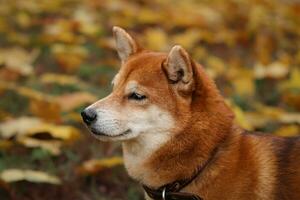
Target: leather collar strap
172 191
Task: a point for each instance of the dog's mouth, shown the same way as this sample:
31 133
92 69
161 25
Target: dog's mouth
97 133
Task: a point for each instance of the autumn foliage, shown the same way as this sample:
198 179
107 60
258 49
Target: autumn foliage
57 56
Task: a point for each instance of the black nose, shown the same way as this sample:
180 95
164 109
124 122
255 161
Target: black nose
88 116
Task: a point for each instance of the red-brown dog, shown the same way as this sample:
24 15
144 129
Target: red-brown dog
176 130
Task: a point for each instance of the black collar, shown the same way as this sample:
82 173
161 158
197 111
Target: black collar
171 191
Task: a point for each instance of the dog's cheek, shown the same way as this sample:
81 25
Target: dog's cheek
150 120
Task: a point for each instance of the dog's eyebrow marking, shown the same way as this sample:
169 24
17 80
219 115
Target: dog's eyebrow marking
131 87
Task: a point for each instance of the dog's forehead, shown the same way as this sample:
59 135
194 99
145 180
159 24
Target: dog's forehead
143 68
145 62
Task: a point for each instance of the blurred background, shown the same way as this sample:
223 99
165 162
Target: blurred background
57 56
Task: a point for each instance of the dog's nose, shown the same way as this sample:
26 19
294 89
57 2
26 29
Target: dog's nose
88 116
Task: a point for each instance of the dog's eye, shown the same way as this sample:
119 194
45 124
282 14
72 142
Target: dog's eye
136 96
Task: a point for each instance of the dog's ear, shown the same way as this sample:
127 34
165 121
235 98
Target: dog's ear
125 44
178 67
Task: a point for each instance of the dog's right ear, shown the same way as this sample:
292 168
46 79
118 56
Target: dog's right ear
125 44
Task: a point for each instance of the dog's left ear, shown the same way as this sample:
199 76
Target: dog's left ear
125 44
178 67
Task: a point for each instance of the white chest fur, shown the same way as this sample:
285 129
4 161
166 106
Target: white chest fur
137 151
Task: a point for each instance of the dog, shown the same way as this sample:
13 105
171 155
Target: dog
178 135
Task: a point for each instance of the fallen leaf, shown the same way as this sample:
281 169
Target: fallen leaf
60 31
73 116
32 132
41 105
5 144
86 19
292 99
290 118
69 57
95 166
240 117
62 132
14 175
275 70
61 79
70 101
188 38
18 59
256 119
46 109
277 114
288 130
215 66
18 126
242 80
156 39
52 146
293 82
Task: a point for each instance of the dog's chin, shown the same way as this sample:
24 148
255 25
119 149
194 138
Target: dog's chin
105 137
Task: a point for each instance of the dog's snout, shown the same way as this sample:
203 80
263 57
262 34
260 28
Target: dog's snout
88 116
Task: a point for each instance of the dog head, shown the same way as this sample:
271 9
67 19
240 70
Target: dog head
152 93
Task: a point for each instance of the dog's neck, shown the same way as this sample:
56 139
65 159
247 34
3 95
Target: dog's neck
136 152
155 161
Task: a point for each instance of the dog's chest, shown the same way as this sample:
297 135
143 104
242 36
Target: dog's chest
138 151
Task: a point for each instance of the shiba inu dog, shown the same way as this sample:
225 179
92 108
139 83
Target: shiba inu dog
178 135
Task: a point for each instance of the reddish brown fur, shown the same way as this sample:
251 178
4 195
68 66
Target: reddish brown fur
246 166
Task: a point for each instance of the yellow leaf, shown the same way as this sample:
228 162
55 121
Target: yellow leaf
293 82
275 70
73 116
66 133
289 130
41 105
146 16
25 91
18 59
292 99
277 114
48 110
5 144
95 166
33 132
18 126
53 146
60 30
215 66
290 118
13 175
69 57
61 79
240 117
242 80
156 39
70 101
86 19
244 86
272 112
256 119
187 39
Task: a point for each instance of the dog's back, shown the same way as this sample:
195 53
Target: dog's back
253 166
287 151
